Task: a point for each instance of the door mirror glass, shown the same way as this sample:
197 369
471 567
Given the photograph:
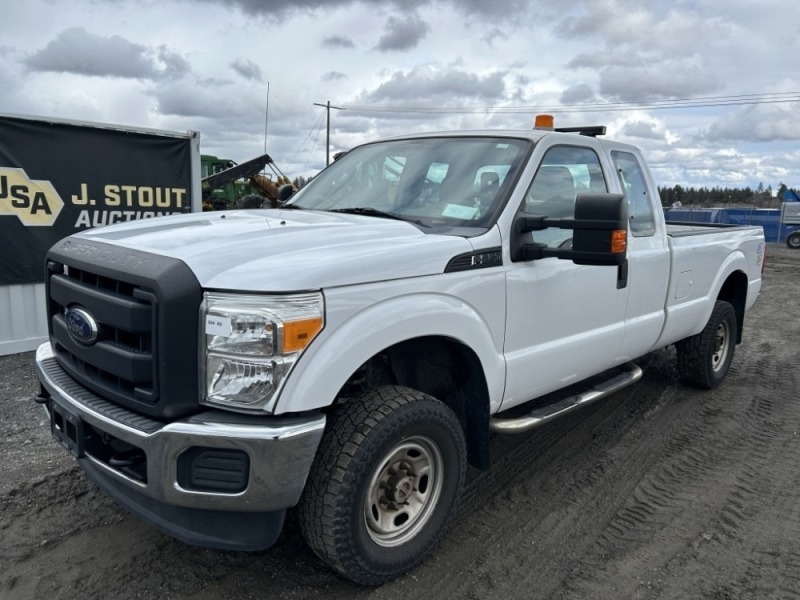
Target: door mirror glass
599 232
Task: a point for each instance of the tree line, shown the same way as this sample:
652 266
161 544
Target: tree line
761 197
301 181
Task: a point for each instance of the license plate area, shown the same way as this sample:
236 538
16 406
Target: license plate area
67 428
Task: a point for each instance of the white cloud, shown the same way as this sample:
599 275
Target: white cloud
338 41
578 94
403 33
669 79
502 10
203 65
77 51
642 130
424 84
247 69
758 123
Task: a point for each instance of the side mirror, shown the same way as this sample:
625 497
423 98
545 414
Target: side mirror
599 236
285 192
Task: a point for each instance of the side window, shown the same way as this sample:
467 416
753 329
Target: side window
565 172
640 206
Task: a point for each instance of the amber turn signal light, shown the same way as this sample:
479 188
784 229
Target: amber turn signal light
298 334
619 241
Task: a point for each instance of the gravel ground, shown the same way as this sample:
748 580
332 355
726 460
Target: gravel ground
660 491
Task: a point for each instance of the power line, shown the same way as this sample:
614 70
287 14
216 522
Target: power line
672 104
266 120
317 127
328 108
308 159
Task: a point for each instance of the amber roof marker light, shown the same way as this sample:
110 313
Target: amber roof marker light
544 122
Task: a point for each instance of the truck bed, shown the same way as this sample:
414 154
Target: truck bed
697 250
680 229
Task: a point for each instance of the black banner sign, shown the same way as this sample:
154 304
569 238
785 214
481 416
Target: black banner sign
57 179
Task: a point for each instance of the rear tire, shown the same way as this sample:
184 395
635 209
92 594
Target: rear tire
704 359
793 240
385 483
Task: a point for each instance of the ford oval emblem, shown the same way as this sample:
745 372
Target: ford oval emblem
81 325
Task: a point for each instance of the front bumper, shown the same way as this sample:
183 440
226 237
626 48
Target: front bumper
279 453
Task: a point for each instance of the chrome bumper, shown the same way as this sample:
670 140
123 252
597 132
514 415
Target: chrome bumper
280 449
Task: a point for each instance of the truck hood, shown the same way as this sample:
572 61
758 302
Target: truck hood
287 250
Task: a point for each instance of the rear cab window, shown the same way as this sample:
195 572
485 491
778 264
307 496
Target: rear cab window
642 222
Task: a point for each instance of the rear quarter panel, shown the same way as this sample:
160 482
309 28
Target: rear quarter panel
702 259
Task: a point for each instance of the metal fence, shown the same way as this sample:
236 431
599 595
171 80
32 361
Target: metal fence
23 320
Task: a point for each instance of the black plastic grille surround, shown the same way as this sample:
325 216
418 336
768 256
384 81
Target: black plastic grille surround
146 310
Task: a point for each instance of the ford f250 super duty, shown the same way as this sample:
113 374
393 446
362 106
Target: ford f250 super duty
348 354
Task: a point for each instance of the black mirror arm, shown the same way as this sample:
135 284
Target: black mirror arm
536 251
532 222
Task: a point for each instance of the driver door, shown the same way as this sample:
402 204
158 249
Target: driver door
564 322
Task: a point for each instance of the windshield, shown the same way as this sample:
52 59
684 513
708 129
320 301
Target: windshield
435 182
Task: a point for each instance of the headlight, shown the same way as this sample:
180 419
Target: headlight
251 343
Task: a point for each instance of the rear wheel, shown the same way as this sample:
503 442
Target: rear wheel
385 483
793 240
704 359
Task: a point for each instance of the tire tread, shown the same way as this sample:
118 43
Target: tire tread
693 353
323 509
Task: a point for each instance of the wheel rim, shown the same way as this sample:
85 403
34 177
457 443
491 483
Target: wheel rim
721 345
403 491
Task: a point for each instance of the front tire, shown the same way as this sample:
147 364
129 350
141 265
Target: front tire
385 483
793 240
704 359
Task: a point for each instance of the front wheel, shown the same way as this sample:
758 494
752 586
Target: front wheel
385 483
704 359
793 240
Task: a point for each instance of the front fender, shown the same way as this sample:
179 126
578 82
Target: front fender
331 359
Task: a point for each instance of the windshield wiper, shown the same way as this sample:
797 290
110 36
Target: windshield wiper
291 207
374 212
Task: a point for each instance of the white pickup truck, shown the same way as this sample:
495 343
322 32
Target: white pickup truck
350 353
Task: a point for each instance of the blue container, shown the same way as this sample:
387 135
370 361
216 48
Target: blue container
768 218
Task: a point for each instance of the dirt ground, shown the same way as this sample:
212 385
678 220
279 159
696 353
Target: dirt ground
660 491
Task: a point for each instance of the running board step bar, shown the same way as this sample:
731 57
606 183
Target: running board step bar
548 413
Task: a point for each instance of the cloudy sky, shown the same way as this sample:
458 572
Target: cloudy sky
709 89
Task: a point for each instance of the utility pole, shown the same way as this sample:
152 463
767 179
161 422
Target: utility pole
266 120
327 106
